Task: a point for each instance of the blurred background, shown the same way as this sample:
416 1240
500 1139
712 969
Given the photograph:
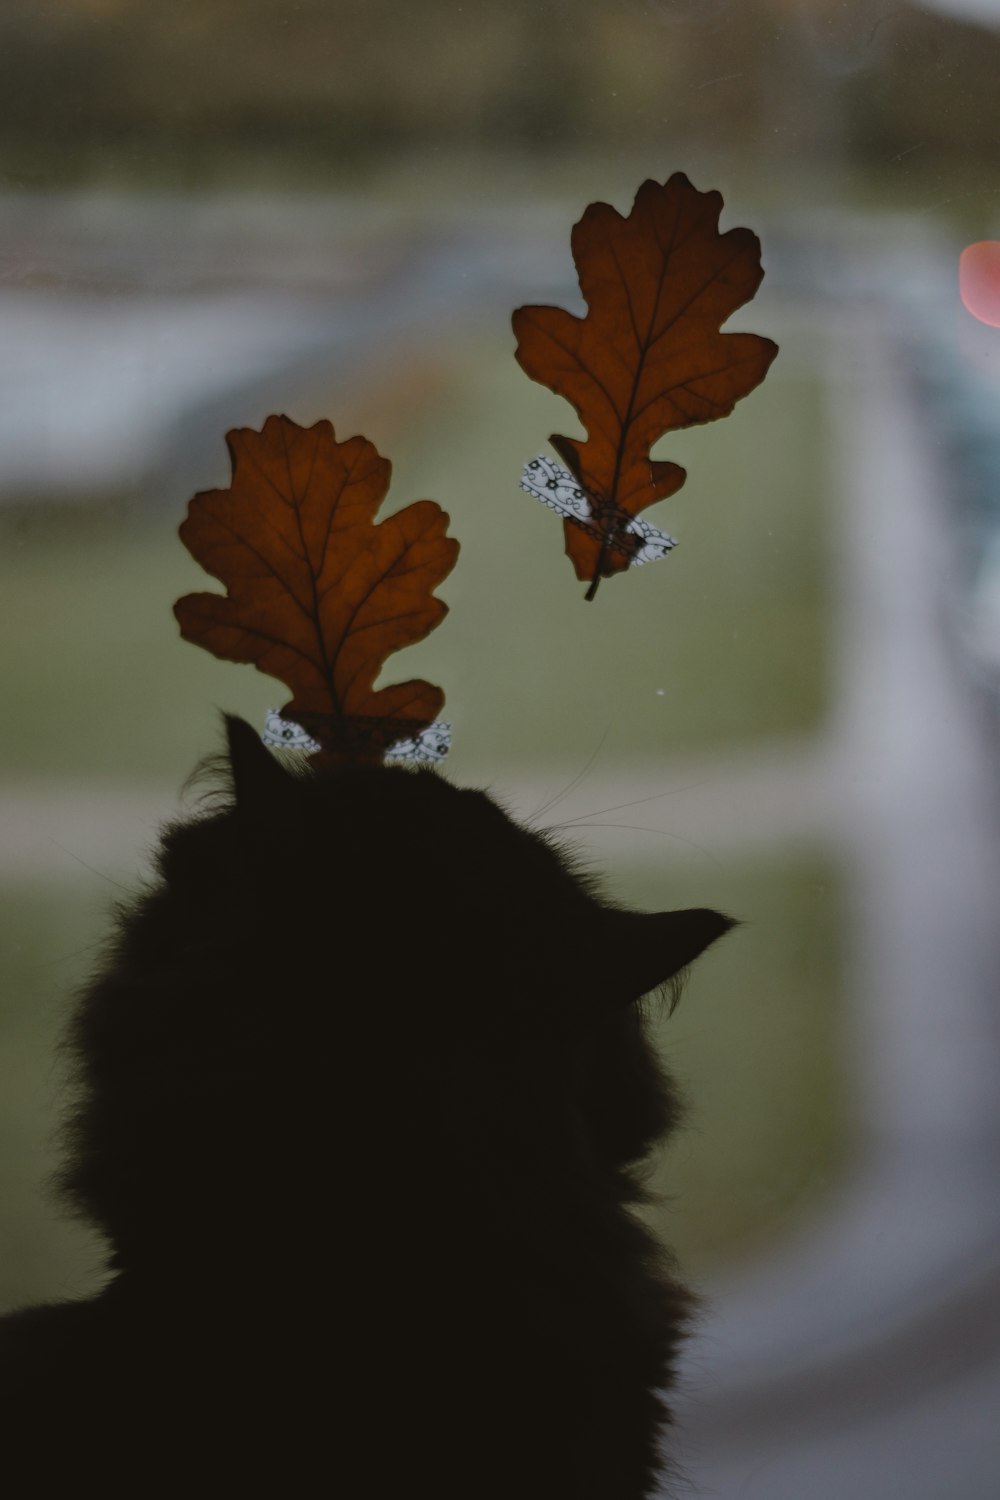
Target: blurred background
214 210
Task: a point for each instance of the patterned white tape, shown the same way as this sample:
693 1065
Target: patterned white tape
556 487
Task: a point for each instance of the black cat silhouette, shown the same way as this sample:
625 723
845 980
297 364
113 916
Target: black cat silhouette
364 1088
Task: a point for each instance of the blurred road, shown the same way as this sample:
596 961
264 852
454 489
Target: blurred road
864 1359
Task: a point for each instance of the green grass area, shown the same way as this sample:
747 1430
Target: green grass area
724 640
48 943
758 1048
756 1044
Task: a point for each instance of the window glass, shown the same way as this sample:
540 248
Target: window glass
213 211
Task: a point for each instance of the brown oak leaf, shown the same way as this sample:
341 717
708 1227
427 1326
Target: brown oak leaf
319 593
648 357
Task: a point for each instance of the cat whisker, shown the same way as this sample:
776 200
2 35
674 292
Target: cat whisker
64 958
554 801
663 833
619 806
93 870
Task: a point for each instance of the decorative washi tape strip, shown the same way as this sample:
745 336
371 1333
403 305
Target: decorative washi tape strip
430 745
556 487
283 734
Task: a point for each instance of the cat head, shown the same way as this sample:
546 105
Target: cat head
337 967
405 838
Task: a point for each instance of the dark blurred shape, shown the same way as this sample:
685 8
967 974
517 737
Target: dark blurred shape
185 92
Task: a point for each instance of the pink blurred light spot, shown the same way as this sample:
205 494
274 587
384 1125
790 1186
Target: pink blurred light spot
979 281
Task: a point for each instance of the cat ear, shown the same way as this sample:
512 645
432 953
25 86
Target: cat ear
646 949
258 780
